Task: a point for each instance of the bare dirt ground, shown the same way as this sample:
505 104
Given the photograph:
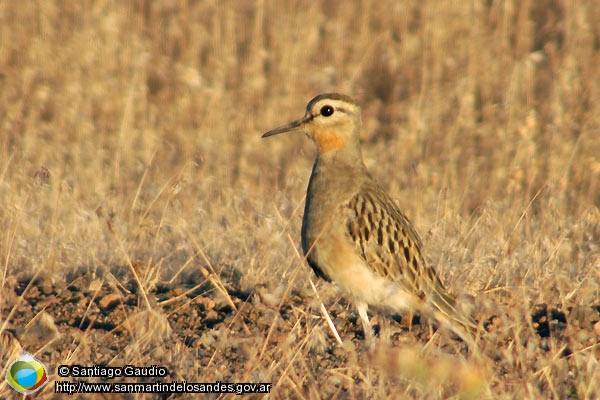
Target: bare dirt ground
208 331
146 223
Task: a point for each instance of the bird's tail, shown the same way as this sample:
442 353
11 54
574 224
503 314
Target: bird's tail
446 314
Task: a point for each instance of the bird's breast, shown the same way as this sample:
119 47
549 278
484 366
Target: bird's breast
325 238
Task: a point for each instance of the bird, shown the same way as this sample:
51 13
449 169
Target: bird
355 235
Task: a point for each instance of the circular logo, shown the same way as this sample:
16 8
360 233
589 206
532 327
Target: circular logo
27 374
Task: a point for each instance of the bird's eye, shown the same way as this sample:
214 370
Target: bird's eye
326 111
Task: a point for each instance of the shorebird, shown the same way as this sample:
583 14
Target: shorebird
354 234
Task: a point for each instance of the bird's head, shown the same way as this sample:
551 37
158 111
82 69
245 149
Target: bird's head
332 120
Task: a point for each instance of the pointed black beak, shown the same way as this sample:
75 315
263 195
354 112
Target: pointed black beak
292 126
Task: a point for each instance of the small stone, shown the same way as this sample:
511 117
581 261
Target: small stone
95 285
46 287
109 301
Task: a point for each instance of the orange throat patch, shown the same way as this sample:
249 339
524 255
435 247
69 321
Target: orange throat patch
328 140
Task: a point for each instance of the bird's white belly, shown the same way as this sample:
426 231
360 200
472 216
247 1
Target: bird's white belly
371 288
339 258
345 267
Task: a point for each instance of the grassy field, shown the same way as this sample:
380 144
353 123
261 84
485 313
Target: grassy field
145 222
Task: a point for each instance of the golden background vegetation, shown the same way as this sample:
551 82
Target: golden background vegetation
130 140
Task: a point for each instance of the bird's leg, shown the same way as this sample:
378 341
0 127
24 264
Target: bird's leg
408 319
364 318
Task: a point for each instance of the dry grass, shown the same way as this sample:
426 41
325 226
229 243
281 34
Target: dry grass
131 159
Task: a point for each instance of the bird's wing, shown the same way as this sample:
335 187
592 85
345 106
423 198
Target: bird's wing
386 239
391 247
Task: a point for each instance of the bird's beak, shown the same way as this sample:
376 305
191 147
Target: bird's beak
292 126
